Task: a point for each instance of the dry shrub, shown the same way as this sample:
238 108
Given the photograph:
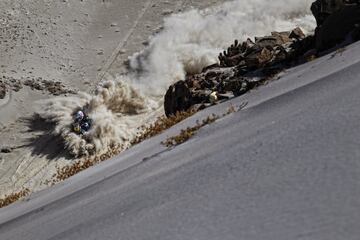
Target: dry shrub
68 171
160 125
82 164
186 134
9 199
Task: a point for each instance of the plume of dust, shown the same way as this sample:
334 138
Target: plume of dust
192 40
188 42
113 110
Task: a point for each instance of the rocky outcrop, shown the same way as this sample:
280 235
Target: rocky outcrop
246 65
337 21
241 67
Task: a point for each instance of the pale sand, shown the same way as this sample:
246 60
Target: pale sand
75 42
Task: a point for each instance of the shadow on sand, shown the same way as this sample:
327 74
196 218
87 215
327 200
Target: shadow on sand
44 142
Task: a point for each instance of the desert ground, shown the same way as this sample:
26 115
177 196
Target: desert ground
280 161
50 48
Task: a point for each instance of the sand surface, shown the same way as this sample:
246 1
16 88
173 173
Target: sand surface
284 167
75 42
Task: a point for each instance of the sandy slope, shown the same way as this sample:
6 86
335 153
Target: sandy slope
75 42
285 167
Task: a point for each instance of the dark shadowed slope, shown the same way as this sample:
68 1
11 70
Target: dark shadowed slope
285 167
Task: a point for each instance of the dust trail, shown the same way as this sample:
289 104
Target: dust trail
188 42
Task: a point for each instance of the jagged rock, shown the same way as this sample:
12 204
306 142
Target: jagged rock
280 54
244 66
248 44
259 59
232 56
282 37
265 49
266 42
297 33
239 65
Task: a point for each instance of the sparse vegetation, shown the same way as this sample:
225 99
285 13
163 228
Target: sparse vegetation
186 134
70 170
160 125
82 164
9 199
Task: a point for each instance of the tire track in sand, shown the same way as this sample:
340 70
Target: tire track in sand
122 44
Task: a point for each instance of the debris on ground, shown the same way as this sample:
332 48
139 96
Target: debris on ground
251 63
53 87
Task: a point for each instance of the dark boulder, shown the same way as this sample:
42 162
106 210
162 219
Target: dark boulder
322 9
177 98
337 27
